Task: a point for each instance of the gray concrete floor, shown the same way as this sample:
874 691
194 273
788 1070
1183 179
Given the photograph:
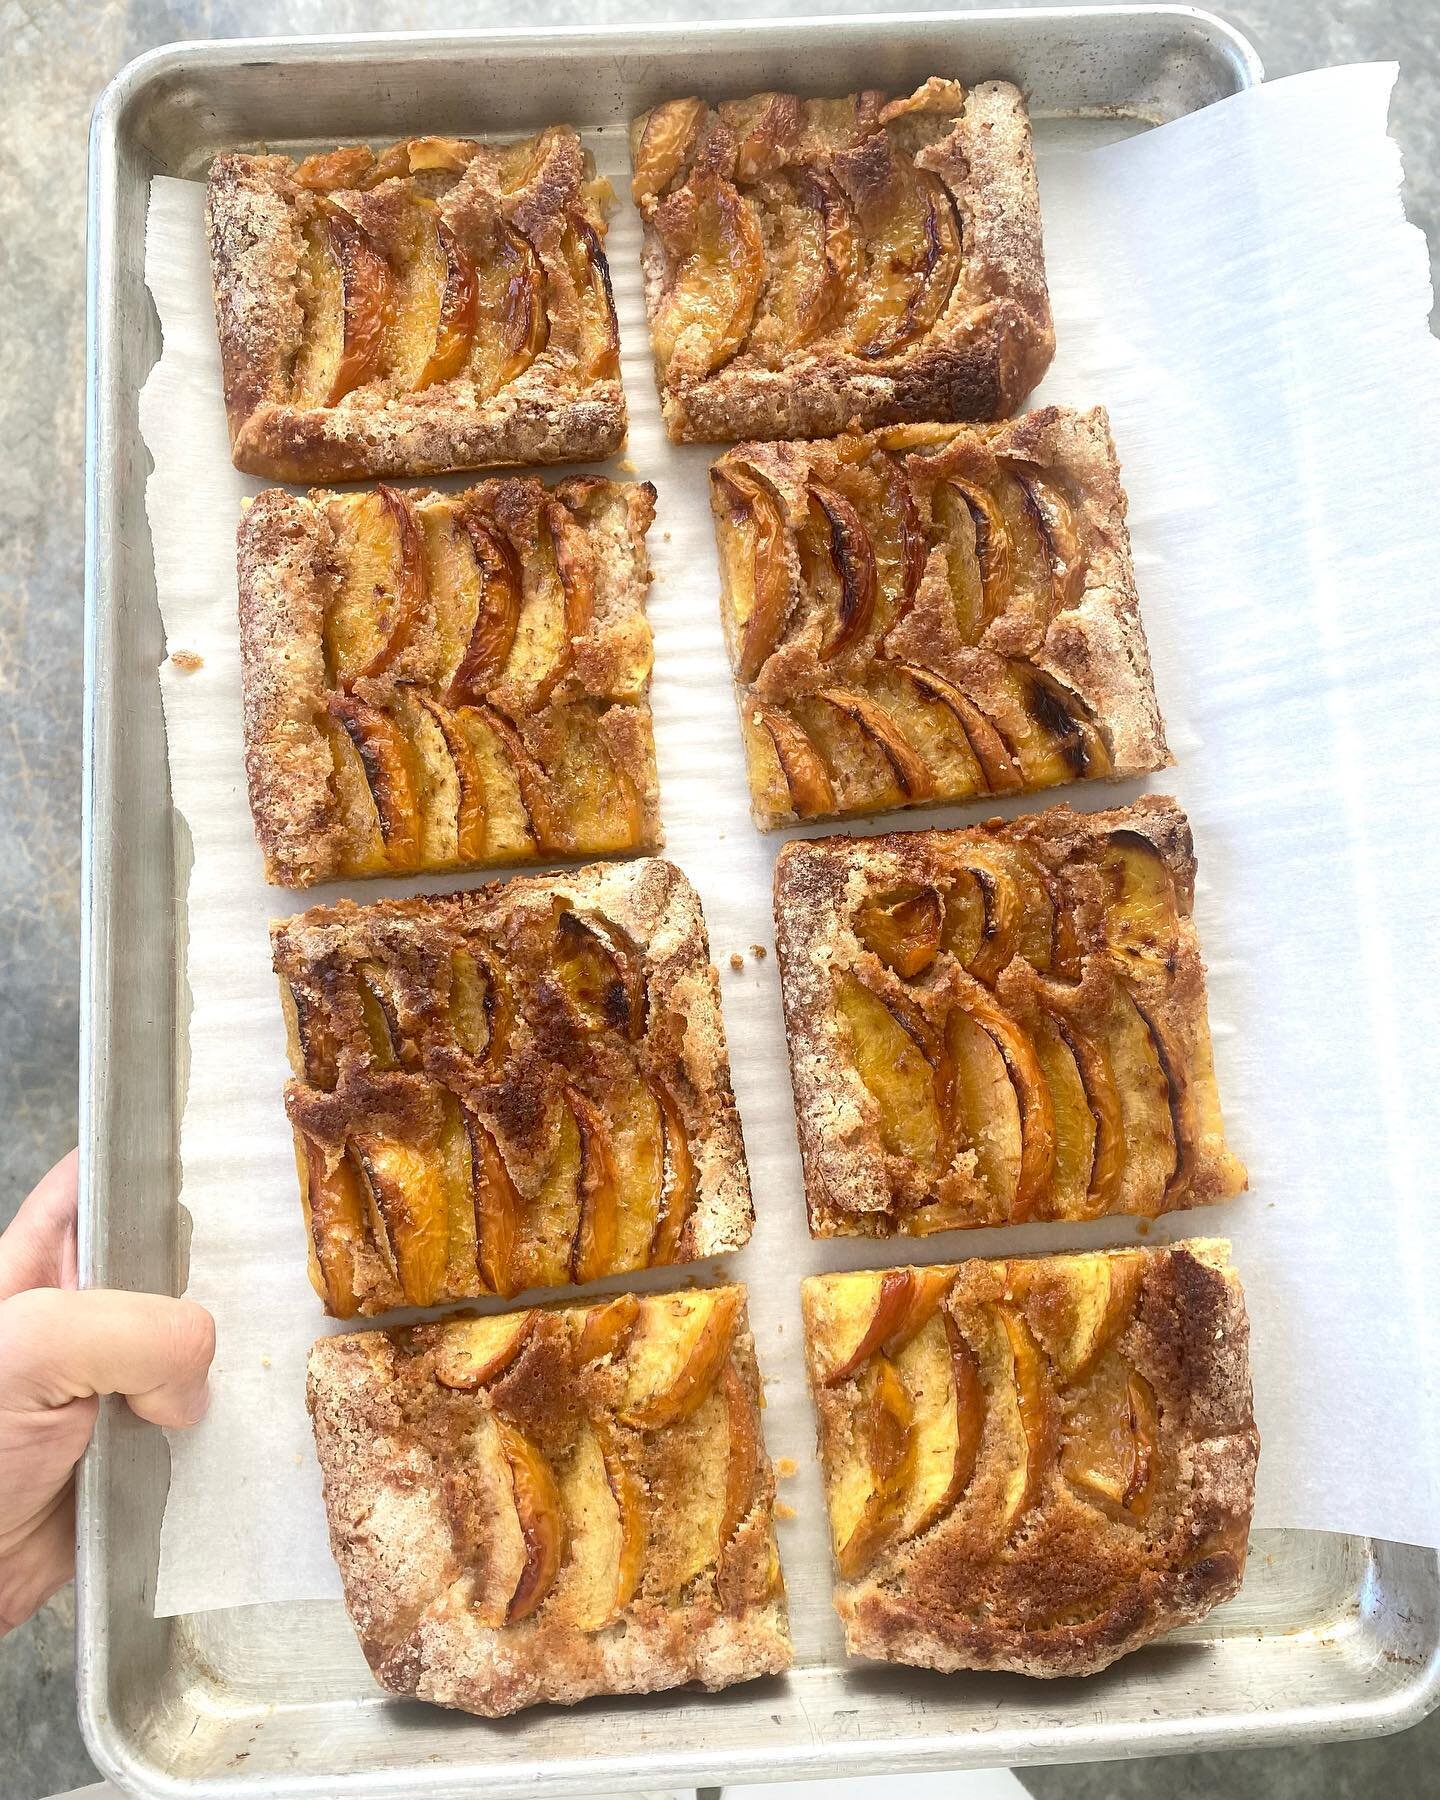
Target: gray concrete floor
57 58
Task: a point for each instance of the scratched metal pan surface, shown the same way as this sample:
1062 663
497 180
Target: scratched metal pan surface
1331 1637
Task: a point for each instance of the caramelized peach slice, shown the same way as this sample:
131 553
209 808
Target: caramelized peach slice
492 734
599 331
1110 1446
682 1184
888 1426
675 1358
407 1204
630 1509
903 929
1107 1170
1039 1414
381 596
386 757
481 1007
1059 739
336 1208
667 139
807 780
607 1329
742 1456
706 317
905 1301
908 771
986 1112
542 1520
575 568
330 170
912 263
853 558
1058 527
497 614
390 1046
459 309
998 766
813 272
519 310
1079 1316
314 1047
1142 915
1075 1127
756 567
1037 1113
1148 1106
597 1235
942 1377
893 1057
479 1351
602 972
498 1212
368 301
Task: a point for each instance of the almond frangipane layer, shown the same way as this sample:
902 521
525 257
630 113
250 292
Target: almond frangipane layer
549 1504
932 613
1036 1464
1001 1024
447 681
817 265
518 1086
443 305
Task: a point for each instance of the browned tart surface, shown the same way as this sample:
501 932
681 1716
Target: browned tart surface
932 613
443 305
545 1505
1000 1024
445 681
817 265
1035 1465
515 1087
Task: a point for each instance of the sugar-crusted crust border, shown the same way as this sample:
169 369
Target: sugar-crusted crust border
1097 647
995 340
392 1544
651 900
548 414
847 1192
1190 1339
283 550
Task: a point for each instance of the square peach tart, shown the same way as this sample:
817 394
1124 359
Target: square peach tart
1000 1024
817 265
447 681
443 305
932 614
550 1504
518 1086
1035 1464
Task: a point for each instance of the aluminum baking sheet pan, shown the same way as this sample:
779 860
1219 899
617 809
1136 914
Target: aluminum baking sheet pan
1331 1636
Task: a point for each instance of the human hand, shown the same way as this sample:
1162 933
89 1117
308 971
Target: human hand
60 1348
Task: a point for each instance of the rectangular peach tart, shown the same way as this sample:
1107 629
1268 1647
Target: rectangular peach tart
519 1086
443 305
1000 1024
444 681
1035 1465
550 1504
817 265
932 613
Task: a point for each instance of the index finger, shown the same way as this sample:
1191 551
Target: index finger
57 1346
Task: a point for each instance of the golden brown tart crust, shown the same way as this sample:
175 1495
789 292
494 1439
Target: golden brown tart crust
443 305
817 265
555 1504
447 681
932 613
1000 1024
518 1086
1037 1464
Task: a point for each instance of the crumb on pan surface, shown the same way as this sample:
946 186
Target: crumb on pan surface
932 613
518 1086
1000 1024
1036 1464
447 681
816 265
556 1503
443 305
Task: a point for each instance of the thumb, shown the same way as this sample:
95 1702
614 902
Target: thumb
57 1346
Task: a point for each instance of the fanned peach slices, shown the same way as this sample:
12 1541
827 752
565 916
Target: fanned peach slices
932 613
1001 1024
549 1504
1035 1465
516 1087
445 681
815 264
444 304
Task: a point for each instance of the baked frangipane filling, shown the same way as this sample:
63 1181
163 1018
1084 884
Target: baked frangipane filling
1001 1024
443 305
519 1086
1035 1465
446 681
545 1505
932 613
817 265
